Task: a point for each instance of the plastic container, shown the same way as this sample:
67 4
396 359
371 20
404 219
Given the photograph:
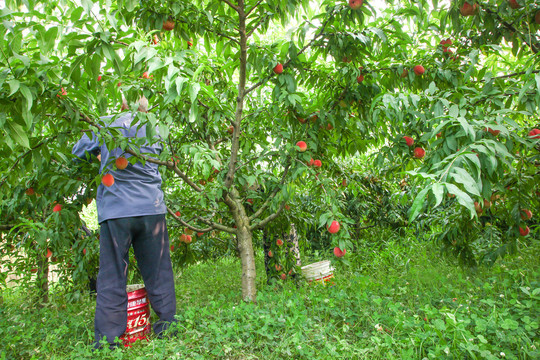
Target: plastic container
320 272
138 320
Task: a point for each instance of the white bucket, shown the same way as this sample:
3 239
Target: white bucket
319 272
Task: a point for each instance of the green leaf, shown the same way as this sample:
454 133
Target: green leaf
193 112
510 324
155 64
193 91
463 198
454 111
438 191
469 130
108 51
49 39
461 176
418 204
180 84
439 324
17 133
13 86
25 91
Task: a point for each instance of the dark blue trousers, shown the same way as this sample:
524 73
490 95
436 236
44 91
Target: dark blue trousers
150 240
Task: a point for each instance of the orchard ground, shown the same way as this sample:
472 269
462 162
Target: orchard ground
397 299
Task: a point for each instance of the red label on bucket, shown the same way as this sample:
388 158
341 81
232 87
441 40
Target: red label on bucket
138 321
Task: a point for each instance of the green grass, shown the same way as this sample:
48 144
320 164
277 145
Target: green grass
398 302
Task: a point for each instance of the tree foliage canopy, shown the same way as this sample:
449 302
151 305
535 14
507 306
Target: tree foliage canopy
354 82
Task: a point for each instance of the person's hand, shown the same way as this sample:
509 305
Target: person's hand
99 157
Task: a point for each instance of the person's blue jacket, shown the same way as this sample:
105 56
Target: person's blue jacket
137 189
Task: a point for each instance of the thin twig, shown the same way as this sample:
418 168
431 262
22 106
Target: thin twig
231 5
266 204
253 8
286 64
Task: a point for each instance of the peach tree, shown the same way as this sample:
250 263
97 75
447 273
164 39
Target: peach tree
235 85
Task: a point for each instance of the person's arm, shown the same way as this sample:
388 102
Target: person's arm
86 147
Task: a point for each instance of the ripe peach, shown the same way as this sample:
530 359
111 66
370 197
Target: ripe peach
334 227
419 70
409 140
107 180
524 232
526 214
121 163
419 153
168 25
338 252
302 146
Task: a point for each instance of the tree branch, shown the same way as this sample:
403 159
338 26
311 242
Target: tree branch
234 7
212 225
254 7
534 47
43 142
256 26
286 64
269 218
272 196
119 42
514 74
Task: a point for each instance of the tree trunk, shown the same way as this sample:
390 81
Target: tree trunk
42 279
244 236
266 248
247 256
292 246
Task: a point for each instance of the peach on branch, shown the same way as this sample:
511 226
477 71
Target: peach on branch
338 252
409 141
468 9
355 4
534 133
168 25
121 163
107 180
419 153
302 146
419 70
526 214
334 227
